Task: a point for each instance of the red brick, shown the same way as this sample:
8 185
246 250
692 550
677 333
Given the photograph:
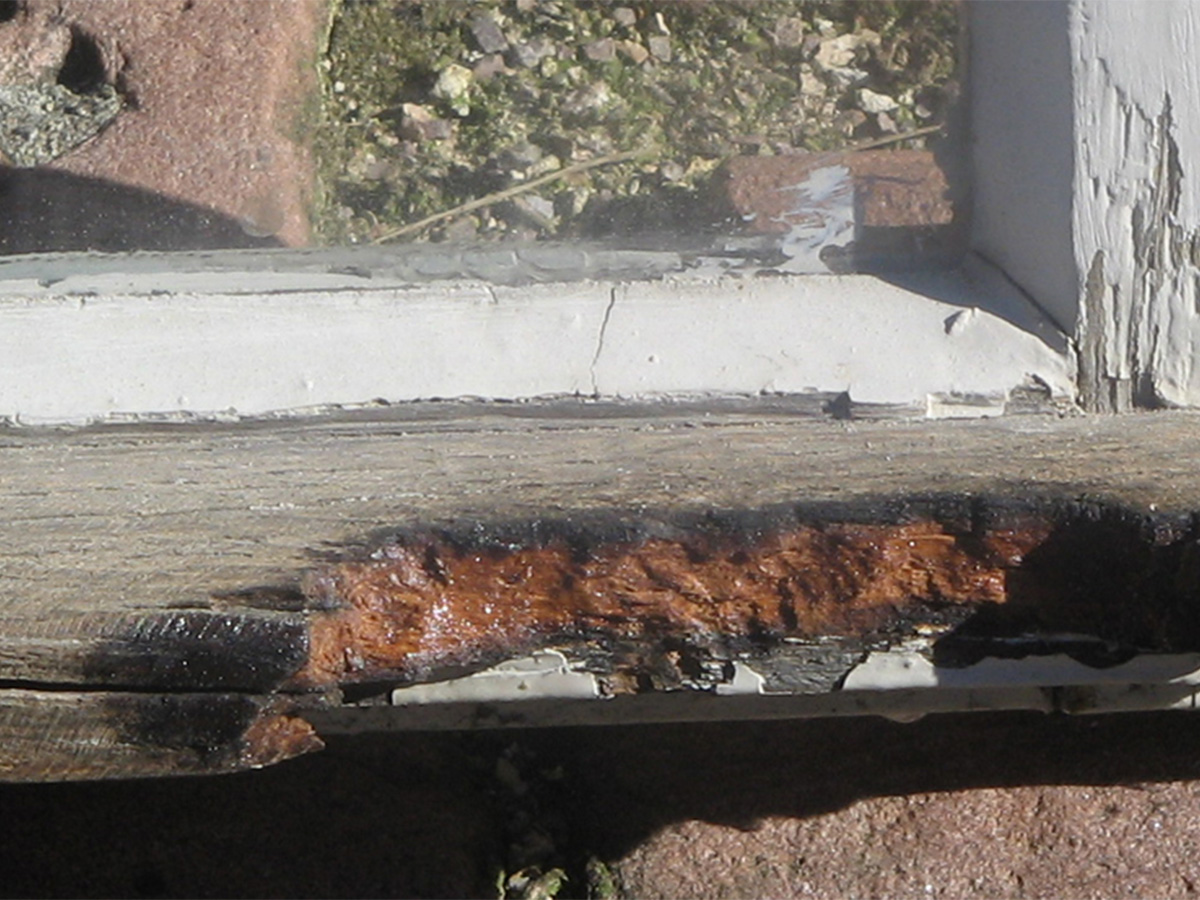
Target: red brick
893 188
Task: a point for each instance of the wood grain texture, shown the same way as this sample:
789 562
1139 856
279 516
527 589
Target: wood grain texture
105 528
73 735
172 559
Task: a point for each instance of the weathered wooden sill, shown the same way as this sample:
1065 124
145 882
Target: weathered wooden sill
188 599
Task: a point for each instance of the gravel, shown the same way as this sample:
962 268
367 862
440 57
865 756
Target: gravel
689 84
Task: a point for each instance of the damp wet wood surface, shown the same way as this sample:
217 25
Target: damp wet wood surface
171 558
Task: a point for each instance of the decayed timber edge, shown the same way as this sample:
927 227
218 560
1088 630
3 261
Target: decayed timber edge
177 601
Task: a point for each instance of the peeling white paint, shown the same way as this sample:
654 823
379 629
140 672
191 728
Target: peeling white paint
546 674
901 684
906 670
1137 214
964 406
1086 141
745 681
892 670
821 214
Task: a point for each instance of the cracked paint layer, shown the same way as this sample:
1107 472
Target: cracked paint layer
1136 225
790 334
612 301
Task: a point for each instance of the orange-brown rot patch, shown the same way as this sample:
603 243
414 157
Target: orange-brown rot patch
273 738
423 604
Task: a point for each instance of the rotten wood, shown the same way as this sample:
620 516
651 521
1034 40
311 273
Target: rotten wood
269 567
668 598
424 603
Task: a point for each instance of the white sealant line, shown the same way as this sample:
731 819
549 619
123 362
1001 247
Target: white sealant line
547 689
904 669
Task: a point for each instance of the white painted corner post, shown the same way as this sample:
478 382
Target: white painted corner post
1086 151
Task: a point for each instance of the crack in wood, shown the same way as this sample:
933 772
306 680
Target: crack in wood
196 650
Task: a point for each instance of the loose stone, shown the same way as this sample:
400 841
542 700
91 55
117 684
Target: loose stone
487 33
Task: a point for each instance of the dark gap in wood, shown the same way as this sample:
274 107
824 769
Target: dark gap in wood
431 415
209 733
83 70
268 597
61 687
86 736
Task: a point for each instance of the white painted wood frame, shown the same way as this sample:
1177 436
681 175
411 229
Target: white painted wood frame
1080 144
237 334
1085 119
1086 135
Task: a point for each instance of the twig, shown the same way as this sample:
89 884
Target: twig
507 193
890 139
608 160
874 143
335 10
